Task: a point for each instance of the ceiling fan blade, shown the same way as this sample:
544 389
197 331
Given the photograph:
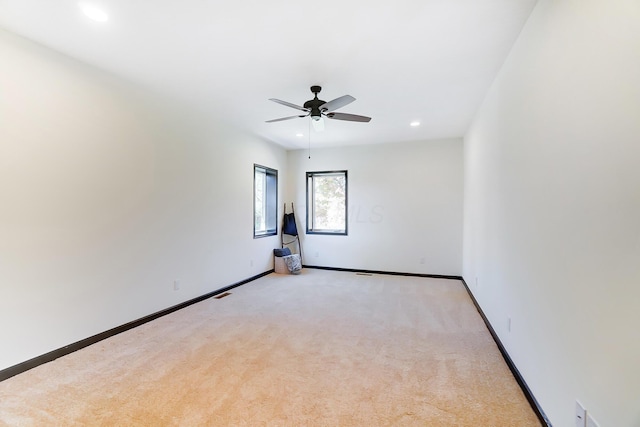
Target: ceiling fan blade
288 104
348 117
337 103
283 118
318 125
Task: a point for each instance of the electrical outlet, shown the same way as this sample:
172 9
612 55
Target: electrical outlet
422 260
508 324
251 263
176 285
476 282
581 415
591 422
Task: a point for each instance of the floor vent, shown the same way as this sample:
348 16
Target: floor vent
226 294
364 274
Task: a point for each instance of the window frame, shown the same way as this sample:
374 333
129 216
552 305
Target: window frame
310 226
270 202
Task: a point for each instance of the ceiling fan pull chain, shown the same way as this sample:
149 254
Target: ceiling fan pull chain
309 139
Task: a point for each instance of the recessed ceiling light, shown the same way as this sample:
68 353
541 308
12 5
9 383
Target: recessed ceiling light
414 124
94 13
299 135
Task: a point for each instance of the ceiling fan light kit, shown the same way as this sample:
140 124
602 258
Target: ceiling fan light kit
317 109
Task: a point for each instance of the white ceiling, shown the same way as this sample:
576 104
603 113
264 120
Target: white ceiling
403 60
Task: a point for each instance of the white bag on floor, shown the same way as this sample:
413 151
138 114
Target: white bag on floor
294 265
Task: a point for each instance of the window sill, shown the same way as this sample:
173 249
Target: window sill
265 234
328 233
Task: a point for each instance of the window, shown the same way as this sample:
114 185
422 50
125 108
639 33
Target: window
265 201
327 202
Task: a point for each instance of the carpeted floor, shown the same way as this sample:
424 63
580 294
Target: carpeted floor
323 348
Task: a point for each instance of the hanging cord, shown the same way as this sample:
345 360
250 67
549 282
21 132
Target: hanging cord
309 139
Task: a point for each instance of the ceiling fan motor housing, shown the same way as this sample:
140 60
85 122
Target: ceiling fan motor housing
315 103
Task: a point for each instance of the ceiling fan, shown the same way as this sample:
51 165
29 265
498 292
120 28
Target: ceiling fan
317 109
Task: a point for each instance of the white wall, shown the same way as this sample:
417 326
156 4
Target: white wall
107 195
405 204
552 208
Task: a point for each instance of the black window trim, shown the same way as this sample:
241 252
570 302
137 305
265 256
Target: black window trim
268 232
346 203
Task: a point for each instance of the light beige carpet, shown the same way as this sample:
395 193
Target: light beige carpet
324 348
